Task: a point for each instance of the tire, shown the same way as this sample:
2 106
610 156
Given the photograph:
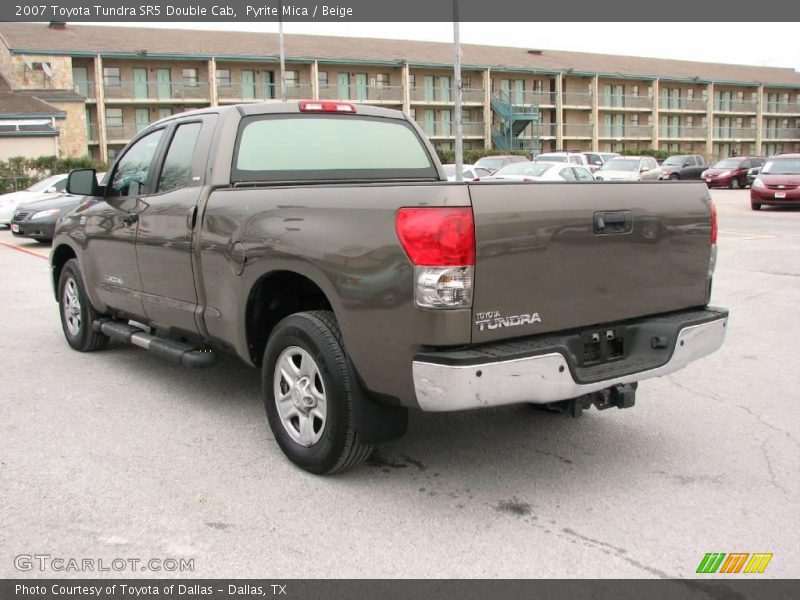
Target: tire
674 177
755 206
312 417
77 313
735 184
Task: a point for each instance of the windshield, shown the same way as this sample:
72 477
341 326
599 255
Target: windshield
525 168
552 158
781 166
49 182
728 163
621 164
490 163
673 161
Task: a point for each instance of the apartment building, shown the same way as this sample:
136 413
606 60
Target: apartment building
110 82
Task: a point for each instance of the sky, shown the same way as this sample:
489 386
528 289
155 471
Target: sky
762 44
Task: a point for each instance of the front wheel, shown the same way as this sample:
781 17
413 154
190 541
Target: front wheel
755 206
735 184
309 394
674 177
77 313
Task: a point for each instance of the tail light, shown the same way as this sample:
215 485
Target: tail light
440 243
714 229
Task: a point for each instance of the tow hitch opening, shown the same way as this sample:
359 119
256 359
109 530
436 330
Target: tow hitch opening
621 396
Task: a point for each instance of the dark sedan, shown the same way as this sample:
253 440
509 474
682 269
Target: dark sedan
37 220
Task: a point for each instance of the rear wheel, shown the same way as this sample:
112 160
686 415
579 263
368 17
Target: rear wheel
309 394
674 177
755 206
77 313
735 184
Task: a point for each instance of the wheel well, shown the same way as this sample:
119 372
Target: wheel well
60 257
273 297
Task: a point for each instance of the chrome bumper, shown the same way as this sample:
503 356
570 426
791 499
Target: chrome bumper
543 378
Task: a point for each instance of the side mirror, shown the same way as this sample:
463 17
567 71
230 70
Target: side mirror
642 168
51 190
598 162
82 182
686 164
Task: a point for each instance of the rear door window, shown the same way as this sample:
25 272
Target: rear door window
310 147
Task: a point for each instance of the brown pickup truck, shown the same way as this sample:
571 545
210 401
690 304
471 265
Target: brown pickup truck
322 243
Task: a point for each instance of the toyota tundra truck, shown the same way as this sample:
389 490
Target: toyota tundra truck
322 243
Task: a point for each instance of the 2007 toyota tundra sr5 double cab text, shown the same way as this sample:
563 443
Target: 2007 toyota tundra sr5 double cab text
322 242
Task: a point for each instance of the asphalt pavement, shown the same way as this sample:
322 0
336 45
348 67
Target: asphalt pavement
117 454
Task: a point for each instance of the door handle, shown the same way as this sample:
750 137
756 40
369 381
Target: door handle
129 219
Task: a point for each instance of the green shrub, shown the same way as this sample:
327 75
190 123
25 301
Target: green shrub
471 156
18 172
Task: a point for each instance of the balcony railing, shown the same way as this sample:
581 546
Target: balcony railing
448 128
783 108
123 131
734 133
626 131
746 106
576 99
246 91
781 133
673 132
92 132
445 95
84 88
613 101
519 98
156 90
577 130
367 93
546 129
696 104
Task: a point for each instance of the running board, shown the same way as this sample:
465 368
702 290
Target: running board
182 353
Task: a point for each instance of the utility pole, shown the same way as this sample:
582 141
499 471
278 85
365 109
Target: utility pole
457 68
283 57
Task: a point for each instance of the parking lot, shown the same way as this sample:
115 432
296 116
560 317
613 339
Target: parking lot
117 454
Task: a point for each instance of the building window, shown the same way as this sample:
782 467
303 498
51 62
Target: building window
113 117
190 77
466 83
412 82
322 79
292 79
223 78
538 85
382 79
111 77
635 90
634 119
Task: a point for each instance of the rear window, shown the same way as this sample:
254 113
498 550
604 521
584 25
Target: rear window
328 147
552 157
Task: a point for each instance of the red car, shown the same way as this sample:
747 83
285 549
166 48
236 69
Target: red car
778 183
731 172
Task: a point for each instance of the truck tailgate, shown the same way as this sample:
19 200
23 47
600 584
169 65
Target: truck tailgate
556 256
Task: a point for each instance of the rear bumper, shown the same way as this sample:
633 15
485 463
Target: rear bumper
545 369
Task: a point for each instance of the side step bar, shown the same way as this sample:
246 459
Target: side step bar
182 353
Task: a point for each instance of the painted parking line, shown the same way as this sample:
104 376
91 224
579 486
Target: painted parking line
26 250
744 235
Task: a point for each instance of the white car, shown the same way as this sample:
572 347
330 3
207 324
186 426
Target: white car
42 190
541 171
575 158
629 168
470 172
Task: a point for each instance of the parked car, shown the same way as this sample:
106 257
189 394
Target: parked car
596 160
751 175
778 183
573 158
501 160
541 171
470 172
359 298
731 172
37 220
49 187
682 166
629 168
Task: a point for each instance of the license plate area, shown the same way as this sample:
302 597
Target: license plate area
780 194
600 346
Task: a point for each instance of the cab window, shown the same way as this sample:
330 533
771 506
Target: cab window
130 174
177 170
